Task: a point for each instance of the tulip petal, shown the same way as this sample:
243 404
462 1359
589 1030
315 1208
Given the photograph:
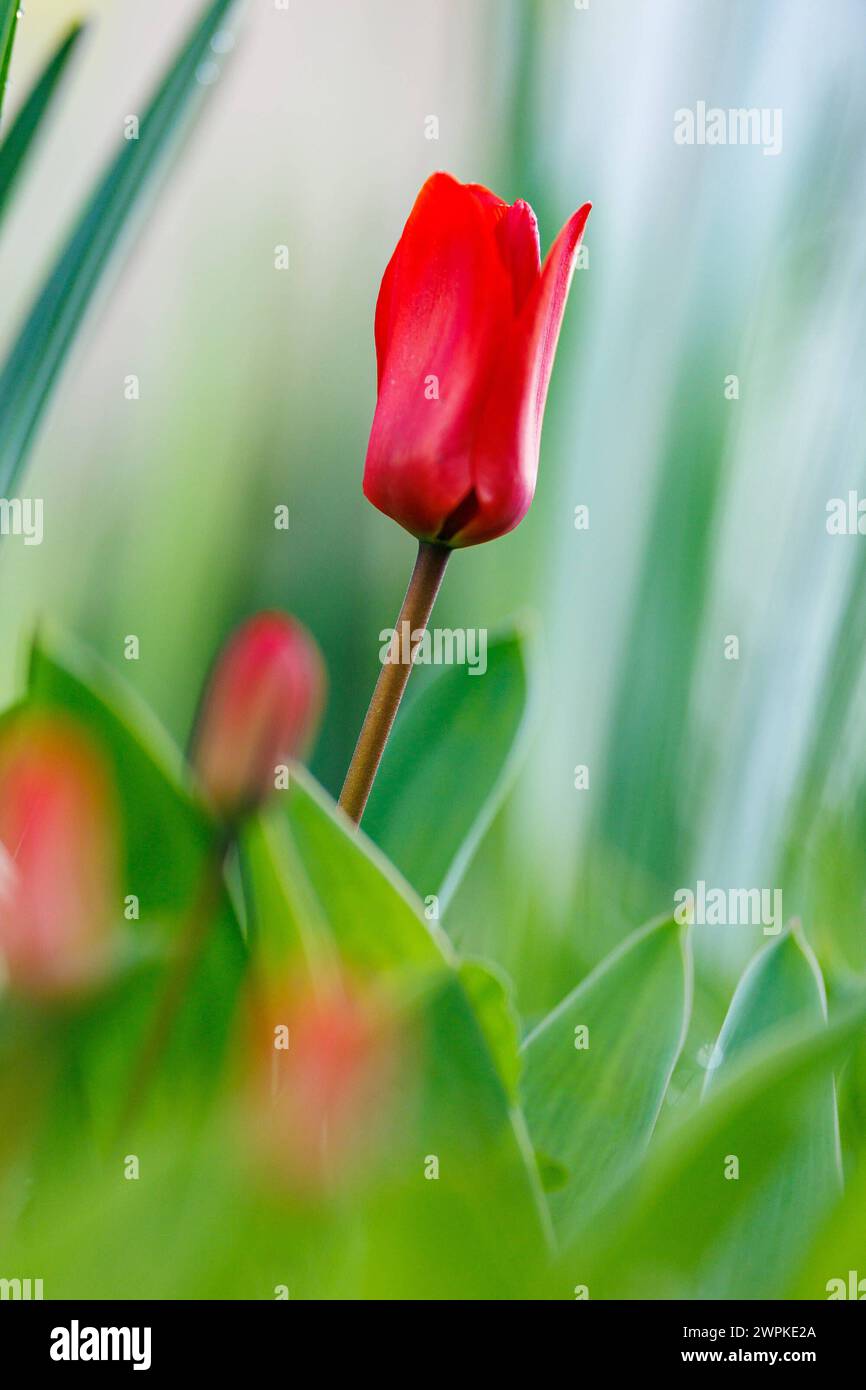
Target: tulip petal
517 239
492 204
546 311
444 308
515 228
382 325
505 459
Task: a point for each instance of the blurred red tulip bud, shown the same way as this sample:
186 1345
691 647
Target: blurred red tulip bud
260 708
58 858
467 323
321 1082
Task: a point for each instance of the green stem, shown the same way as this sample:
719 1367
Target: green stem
416 610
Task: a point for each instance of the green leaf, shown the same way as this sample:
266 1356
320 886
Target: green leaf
446 768
781 987
597 1068
169 845
10 13
488 1182
489 992
16 145
167 833
838 1251
554 1176
687 1228
851 1098
283 920
48 333
321 892
375 920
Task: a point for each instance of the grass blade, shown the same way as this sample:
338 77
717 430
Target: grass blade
48 333
9 15
15 147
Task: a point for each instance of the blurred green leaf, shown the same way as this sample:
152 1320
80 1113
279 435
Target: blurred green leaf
285 927
303 916
554 1176
374 918
167 833
316 885
645 817
851 1097
781 986
169 842
838 1250
10 13
16 145
597 1068
446 768
488 1182
826 861
687 1228
489 992
48 333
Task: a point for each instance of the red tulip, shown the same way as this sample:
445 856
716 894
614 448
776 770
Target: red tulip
58 858
467 323
260 708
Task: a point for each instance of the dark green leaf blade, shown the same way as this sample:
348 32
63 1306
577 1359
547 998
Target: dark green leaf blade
16 145
10 13
446 766
47 335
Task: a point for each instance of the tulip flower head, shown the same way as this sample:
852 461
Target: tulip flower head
58 859
261 708
467 323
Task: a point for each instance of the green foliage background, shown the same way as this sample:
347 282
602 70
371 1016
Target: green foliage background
560 1168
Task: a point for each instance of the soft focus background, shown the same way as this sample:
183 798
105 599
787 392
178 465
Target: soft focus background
707 515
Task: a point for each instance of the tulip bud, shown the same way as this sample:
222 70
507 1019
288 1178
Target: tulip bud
58 858
320 1083
467 323
260 708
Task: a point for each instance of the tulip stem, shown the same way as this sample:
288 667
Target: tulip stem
413 619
